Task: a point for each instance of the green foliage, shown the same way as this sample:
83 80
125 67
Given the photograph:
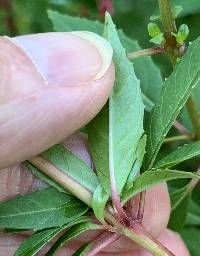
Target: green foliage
43 209
67 162
116 134
182 34
180 204
83 250
70 234
151 178
125 111
193 214
99 200
155 33
38 240
176 90
179 155
37 173
191 237
138 162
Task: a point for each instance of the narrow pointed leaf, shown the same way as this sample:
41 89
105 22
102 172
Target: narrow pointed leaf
43 209
99 200
70 234
38 240
179 155
180 204
151 80
37 173
98 142
175 93
151 178
138 162
73 166
126 111
83 250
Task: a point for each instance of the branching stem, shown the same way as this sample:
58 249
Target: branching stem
169 26
102 241
145 52
173 52
181 128
136 232
178 138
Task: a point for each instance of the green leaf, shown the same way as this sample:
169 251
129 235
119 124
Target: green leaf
179 155
43 209
193 216
175 93
125 112
153 29
155 17
37 173
157 39
70 234
38 240
182 34
98 142
151 80
180 204
138 162
151 178
177 9
83 250
191 237
99 200
73 166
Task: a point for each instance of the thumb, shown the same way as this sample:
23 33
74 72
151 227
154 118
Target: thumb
51 85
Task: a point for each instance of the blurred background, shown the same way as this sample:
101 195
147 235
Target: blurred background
30 16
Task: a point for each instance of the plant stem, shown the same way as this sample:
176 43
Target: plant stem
178 138
102 241
140 213
63 179
135 232
193 113
180 128
172 50
169 26
145 52
192 184
138 234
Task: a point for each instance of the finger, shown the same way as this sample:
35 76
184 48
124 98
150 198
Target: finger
62 81
17 180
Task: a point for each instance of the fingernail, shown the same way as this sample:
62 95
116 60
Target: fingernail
68 59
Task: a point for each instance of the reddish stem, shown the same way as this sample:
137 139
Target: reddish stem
103 241
194 181
180 128
140 213
116 199
7 6
146 240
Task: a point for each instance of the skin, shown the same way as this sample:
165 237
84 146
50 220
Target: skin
44 103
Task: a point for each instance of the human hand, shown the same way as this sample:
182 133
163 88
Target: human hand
42 106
